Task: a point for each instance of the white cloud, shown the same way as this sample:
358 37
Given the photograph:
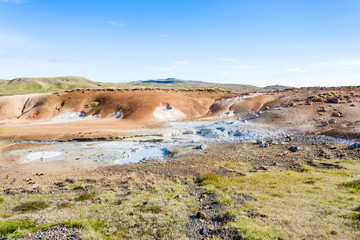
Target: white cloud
114 23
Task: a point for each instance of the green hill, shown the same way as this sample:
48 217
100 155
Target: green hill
58 84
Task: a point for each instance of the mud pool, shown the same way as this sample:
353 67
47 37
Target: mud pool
176 137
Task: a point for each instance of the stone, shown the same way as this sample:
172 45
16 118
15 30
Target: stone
333 100
201 215
332 121
322 109
252 115
262 168
204 231
354 146
202 146
337 114
324 123
178 196
293 149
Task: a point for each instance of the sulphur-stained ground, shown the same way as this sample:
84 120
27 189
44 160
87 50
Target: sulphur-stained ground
185 164
227 191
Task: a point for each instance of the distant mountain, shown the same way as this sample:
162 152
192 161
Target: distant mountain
59 84
274 87
36 85
170 81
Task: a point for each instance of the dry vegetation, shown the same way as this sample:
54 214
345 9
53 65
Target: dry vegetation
252 192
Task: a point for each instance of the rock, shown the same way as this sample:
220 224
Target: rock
262 168
352 105
292 104
293 149
201 215
252 115
70 180
139 225
202 146
324 123
354 146
204 231
337 114
178 196
332 121
245 121
333 100
322 109
273 142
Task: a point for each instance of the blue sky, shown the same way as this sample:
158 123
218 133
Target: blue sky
259 42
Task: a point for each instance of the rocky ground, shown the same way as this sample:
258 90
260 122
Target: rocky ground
228 191
297 182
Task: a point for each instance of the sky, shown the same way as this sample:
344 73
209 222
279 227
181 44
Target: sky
259 42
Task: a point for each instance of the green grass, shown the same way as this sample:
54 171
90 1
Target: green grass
288 199
355 184
2 199
85 196
59 84
92 104
9 227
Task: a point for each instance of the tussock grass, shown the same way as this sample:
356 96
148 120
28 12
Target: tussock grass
31 206
355 184
9 227
85 196
292 202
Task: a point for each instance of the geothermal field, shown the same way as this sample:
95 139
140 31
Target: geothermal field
156 163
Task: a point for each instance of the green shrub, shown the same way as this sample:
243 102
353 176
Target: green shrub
8 227
228 216
85 196
92 104
2 199
64 205
352 184
209 178
31 206
97 225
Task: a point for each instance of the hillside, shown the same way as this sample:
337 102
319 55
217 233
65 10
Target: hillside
59 84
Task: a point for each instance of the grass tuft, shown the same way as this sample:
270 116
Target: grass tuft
352 184
64 205
209 178
85 196
9 227
92 104
31 206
